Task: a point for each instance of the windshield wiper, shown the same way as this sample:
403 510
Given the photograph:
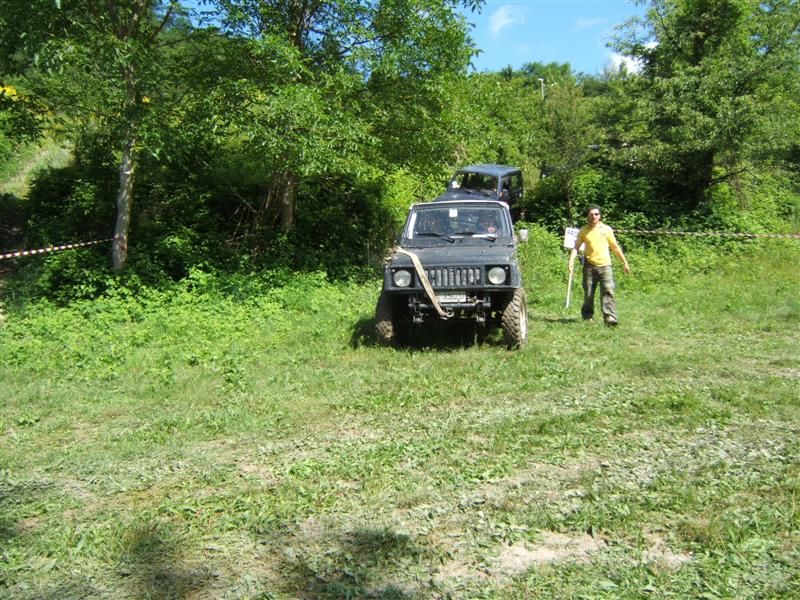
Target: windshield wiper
436 234
483 236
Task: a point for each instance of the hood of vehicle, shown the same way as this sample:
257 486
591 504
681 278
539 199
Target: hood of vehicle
456 254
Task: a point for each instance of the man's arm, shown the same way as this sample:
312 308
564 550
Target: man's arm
618 251
574 252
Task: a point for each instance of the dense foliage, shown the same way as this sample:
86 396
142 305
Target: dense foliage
295 134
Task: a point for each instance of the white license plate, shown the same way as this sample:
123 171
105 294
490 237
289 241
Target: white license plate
452 298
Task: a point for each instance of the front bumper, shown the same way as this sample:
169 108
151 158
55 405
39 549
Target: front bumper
479 306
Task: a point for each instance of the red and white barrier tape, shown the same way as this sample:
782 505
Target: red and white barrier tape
20 253
795 236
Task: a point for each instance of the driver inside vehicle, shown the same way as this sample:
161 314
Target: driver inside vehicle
487 223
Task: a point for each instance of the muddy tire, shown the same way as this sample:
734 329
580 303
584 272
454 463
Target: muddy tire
384 321
514 320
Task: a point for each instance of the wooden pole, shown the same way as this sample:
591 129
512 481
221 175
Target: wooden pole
569 290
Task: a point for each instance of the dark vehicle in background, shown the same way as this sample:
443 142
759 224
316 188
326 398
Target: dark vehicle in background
495 182
457 259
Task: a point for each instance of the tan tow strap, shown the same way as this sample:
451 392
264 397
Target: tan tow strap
425 283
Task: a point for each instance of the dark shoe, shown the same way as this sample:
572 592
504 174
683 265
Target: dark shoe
611 323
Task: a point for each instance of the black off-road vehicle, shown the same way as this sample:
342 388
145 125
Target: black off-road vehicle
457 259
494 182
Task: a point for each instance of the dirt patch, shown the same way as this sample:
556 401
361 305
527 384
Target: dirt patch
554 547
28 525
788 373
351 434
459 570
539 480
265 474
84 434
516 559
80 490
662 554
313 532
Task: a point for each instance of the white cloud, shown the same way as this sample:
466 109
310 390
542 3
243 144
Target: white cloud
588 23
503 17
632 65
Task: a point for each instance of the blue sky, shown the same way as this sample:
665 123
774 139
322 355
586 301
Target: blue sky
515 32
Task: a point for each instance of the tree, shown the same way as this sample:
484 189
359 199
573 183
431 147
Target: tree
551 73
364 80
93 62
274 91
559 125
569 138
493 118
714 75
20 119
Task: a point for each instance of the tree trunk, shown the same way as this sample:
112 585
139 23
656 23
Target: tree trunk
570 211
288 200
119 249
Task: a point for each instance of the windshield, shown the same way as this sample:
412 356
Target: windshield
474 181
452 222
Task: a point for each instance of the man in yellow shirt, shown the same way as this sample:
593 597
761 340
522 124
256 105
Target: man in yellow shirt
599 238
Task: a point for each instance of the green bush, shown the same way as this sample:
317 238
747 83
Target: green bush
546 205
628 202
767 203
344 225
194 214
400 190
70 204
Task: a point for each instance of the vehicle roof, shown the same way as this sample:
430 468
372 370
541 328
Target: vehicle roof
493 170
474 201
457 195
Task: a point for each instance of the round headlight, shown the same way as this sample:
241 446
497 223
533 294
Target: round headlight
497 275
402 278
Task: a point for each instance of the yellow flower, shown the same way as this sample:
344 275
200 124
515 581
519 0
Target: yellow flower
145 100
7 90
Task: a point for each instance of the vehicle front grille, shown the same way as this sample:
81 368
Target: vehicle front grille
454 276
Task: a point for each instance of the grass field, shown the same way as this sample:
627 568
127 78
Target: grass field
245 438
16 175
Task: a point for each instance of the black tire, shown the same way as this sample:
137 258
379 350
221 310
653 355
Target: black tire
384 321
514 320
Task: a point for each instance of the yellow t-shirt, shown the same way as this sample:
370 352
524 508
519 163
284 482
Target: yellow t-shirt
598 240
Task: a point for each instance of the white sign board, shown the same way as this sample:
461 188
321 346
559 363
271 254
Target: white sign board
570 236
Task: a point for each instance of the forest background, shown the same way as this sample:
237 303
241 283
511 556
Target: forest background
260 134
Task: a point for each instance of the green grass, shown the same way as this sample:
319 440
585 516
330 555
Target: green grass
247 439
16 175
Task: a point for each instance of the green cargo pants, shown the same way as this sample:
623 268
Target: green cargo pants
592 276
